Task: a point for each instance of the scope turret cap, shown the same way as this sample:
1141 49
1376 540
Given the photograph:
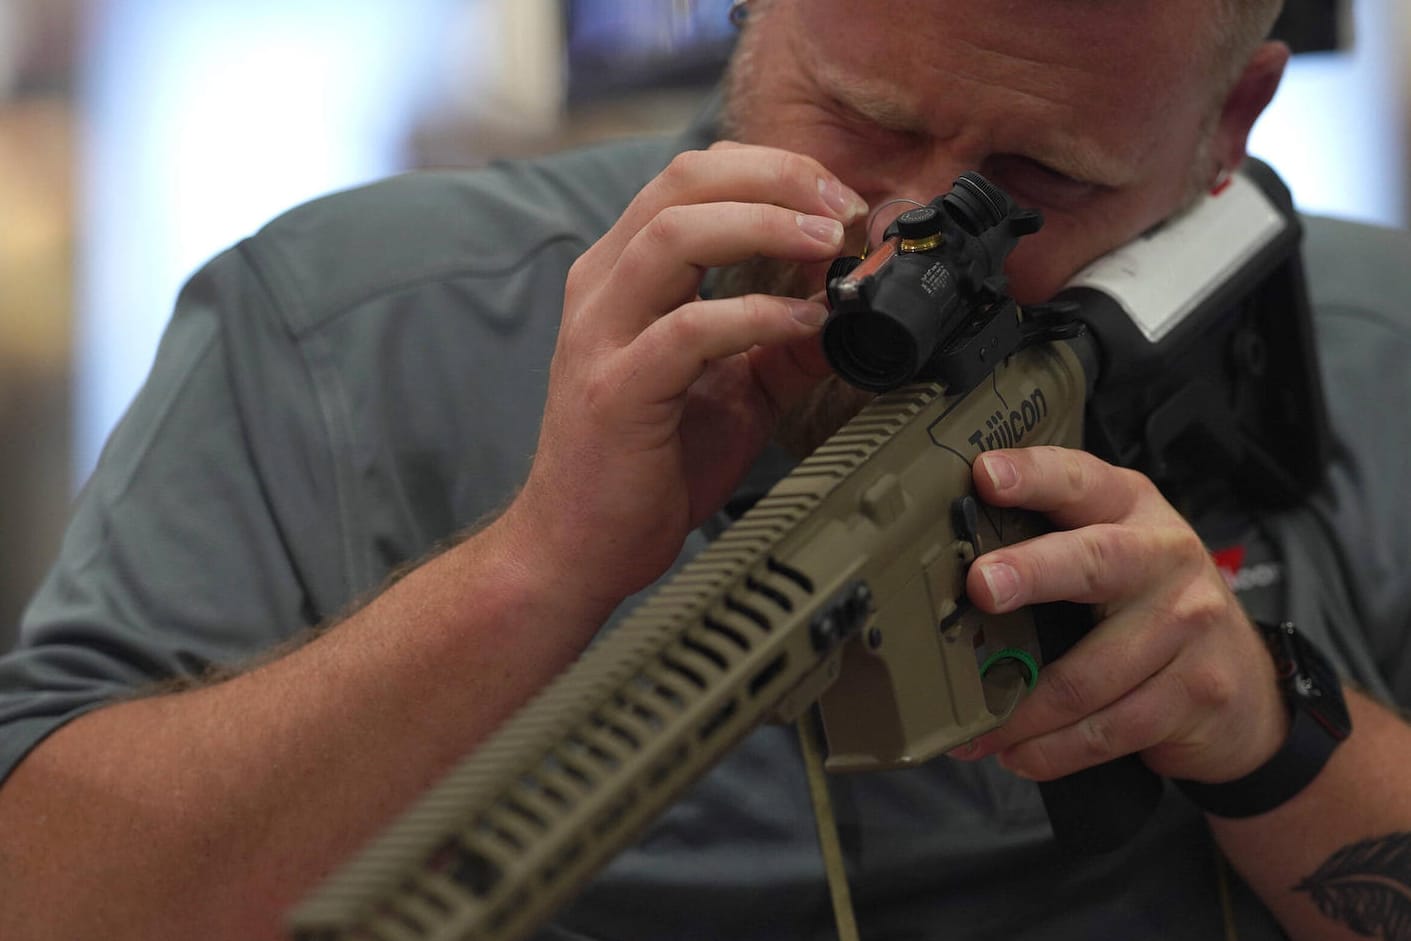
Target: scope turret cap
920 223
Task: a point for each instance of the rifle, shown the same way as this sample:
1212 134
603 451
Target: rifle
842 587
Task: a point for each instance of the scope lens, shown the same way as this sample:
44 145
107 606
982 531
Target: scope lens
872 352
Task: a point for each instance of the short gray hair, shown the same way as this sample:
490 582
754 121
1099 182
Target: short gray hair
1240 26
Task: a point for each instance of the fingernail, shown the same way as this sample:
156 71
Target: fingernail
842 200
1002 581
807 312
1001 471
828 231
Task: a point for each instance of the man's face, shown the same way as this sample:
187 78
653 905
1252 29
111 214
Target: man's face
1093 111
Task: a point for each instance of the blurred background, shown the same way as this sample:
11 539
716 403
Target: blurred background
140 137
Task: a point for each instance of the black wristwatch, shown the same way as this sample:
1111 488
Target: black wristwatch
1318 724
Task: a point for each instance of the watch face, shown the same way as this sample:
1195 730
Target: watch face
1313 684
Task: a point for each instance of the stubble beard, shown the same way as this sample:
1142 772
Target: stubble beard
830 406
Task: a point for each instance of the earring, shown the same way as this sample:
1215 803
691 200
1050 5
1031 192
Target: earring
739 11
1222 180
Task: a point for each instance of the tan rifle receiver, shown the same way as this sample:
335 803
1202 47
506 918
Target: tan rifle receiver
844 585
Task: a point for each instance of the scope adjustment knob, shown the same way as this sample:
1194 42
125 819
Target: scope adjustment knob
920 229
920 223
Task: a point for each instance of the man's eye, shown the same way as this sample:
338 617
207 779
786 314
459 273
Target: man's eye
1029 181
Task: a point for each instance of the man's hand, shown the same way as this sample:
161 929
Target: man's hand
1174 670
658 400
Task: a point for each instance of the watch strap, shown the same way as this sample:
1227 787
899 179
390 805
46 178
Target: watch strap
1318 724
1292 768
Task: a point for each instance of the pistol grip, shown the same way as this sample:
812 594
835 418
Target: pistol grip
1101 808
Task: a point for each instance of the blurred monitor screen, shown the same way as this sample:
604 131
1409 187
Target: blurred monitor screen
618 47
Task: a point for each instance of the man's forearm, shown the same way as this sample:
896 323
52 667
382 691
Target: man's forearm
206 813
1328 858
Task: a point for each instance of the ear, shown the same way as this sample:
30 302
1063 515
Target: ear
1251 93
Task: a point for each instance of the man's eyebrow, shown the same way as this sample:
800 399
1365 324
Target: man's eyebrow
879 103
869 98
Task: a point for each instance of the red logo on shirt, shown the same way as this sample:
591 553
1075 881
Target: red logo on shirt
1239 577
1229 561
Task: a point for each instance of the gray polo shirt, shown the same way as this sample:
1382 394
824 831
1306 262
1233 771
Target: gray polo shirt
364 378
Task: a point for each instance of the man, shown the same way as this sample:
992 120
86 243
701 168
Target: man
319 418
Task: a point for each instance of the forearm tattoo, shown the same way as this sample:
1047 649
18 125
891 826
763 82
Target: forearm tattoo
1367 887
